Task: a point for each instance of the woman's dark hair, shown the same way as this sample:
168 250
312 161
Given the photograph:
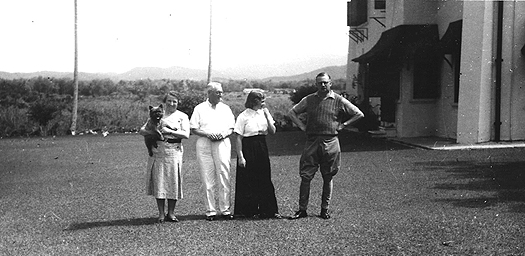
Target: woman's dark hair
252 98
173 94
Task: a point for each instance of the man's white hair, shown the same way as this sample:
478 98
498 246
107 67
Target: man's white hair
214 86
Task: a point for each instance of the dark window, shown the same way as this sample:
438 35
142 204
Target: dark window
357 12
426 84
379 4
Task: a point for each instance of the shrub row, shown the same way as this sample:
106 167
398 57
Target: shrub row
51 115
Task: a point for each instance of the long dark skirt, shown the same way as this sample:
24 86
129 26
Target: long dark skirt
254 190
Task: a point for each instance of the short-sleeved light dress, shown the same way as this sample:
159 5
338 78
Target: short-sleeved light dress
164 168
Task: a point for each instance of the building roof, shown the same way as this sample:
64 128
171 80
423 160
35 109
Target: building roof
402 42
451 40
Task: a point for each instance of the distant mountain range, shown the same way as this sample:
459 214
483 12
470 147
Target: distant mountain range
335 72
176 73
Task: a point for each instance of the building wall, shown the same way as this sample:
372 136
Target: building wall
374 30
448 11
513 72
419 12
477 88
414 118
394 13
446 109
475 110
351 70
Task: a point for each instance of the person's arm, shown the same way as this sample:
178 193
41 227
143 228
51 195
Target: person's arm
199 132
145 132
183 132
298 109
194 124
212 136
295 119
270 121
230 118
226 133
240 157
354 111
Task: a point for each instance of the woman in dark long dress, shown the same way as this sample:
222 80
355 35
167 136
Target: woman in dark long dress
254 190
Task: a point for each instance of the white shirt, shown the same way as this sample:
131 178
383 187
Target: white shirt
212 120
251 123
177 120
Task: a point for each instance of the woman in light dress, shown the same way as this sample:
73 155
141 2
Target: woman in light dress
164 168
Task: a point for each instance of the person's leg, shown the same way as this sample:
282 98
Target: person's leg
266 191
207 169
308 166
171 208
327 192
329 164
262 183
160 207
222 157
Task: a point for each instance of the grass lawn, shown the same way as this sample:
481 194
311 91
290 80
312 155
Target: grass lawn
84 195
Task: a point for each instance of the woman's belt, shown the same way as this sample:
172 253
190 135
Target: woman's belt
178 140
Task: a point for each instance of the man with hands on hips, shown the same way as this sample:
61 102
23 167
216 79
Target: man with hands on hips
322 150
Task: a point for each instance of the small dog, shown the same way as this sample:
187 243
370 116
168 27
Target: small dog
154 124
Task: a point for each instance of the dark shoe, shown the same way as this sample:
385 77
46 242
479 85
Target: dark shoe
210 218
271 216
228 216
171 219
299 214
324 214
277 216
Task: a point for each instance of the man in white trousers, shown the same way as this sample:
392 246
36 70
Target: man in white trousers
213 122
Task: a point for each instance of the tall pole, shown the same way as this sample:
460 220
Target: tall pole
75 81
209 52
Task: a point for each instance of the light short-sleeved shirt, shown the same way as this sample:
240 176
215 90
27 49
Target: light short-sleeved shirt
251 123
177 120
212 120
325 114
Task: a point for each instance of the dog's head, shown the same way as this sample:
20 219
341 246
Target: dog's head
156 113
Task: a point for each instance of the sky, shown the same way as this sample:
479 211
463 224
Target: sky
280 36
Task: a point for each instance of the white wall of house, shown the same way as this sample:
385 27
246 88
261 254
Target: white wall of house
513 75
355 49
446 109
475 109
414 118
351 69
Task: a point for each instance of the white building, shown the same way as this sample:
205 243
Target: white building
445 68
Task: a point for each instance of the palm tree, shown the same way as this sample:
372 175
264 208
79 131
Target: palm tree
209 53
75 81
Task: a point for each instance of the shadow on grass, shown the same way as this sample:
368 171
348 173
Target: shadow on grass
292 143
126 222
506 181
